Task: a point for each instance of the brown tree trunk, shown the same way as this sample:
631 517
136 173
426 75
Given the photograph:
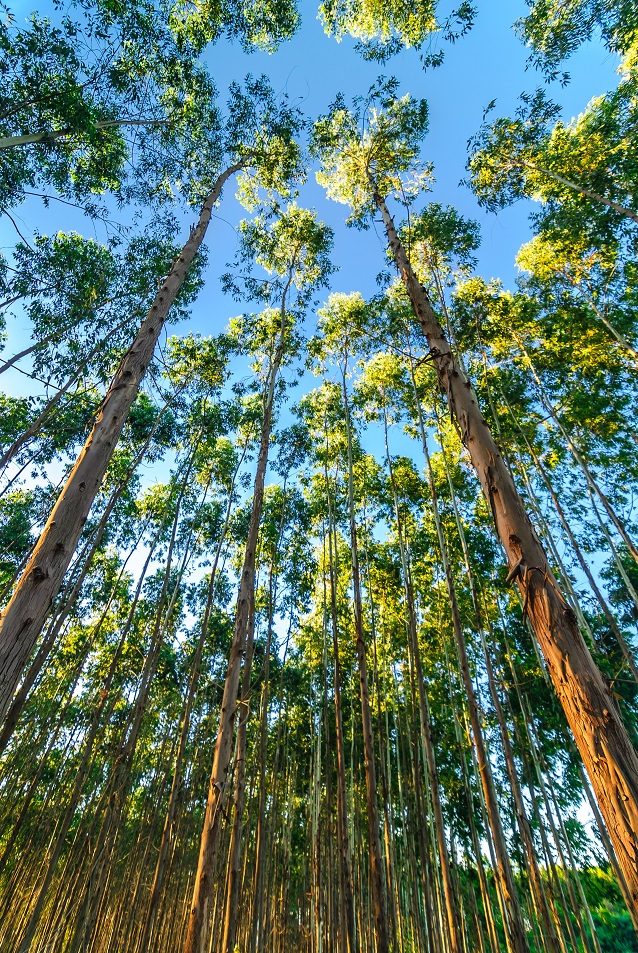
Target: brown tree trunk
69 597
100 868
347 892
198 925
234 855
257 905
377 874
513 922
23 618
166 842
603 742
455 938
538 893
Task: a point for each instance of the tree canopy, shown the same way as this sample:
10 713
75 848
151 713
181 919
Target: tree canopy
318 543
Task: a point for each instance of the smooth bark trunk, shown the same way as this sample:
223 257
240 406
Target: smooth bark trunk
376 871
23 618
198 925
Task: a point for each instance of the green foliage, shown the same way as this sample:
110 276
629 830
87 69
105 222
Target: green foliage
140 625
48 86
262 25
554 31
383 29
373 147
574 170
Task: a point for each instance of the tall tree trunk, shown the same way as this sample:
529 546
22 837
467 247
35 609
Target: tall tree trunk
514 927
198 925
100 868
603 742
257 906
163 857
347 891
70 595
234 854
377 874
454 932
23 618
538 893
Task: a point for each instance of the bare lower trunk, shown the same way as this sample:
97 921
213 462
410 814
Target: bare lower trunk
347 893
24 616
198 926
234 859
68 600
455 938
377 875
603 742
168 833
543 913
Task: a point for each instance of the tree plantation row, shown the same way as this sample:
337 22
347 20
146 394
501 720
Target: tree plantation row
318 628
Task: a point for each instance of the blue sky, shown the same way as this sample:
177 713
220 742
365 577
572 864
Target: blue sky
489 63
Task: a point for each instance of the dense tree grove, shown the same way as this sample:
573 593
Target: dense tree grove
318 629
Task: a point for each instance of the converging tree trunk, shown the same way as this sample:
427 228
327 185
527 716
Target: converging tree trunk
451 907
378 884
603 742
198 923
351 944
24 616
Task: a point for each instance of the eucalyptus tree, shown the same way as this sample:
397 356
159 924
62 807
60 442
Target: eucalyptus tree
95 633
197 362
182 545
552 361
567 355
382 30
293 251
79 297
341 327
386 386
592 281
375 390
555 32
368 155
149 432
181 542
73 89
285 565
322 413
258 141
582 172
76 291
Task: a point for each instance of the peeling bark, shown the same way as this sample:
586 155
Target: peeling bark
602 740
